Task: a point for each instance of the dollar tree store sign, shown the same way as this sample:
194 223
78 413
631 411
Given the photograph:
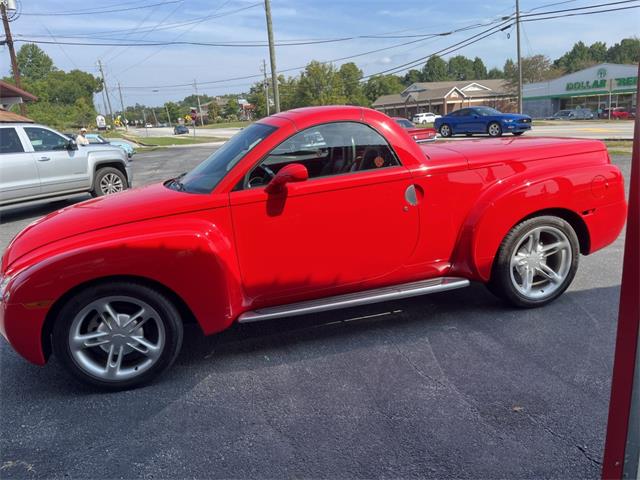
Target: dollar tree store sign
601 82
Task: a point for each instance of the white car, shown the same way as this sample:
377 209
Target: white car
38 162
424 117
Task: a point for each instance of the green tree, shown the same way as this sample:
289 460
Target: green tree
320 84
495 73
578 58
350 76
627 51
460 68
231 109
412 76
33 63
175 112
379 85
536 68
435 70
598 52
479 69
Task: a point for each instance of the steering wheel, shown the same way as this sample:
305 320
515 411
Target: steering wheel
261 180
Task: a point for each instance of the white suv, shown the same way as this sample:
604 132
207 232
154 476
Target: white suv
425 117
37 162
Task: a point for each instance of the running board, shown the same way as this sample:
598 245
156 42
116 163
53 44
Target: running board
394 292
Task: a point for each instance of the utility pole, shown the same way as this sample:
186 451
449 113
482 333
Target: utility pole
519 56
144 119
168 116
124 120
195 85
12 52
272 56
106 90
153 110
266 86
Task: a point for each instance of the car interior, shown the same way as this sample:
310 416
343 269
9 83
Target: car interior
329 149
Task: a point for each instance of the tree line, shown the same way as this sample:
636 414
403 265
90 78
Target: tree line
66 98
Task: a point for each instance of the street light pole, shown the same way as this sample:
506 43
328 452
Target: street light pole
272 56
195 86
12 52
126 127
519 56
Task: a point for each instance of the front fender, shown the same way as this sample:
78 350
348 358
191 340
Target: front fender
511 200
192 257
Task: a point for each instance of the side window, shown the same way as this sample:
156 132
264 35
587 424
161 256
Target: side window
327 149
44 140
10 141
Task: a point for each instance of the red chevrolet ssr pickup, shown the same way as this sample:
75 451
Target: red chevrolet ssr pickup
304 211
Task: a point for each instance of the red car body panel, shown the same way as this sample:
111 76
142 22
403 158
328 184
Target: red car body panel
230 251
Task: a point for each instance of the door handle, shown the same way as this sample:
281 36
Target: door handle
44 159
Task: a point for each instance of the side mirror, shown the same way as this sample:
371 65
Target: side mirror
294 172
72 145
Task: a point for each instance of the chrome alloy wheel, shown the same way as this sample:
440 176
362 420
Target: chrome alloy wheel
445 131
116 338
111 183
541 262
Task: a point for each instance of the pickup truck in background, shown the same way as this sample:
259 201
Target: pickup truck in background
37 162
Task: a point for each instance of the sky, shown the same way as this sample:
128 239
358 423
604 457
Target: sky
147 73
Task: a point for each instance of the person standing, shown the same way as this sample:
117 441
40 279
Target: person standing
82 139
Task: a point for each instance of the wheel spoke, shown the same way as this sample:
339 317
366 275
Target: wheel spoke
89 340
547 272
142 345
134 317
553 248
112 367
106 307
138 325
527 279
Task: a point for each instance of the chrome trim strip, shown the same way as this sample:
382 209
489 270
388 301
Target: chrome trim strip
394 292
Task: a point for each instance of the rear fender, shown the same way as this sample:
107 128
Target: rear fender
509 201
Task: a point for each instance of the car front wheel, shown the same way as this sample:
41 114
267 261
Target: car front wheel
445 130
494 129
536 262
117 335
108 180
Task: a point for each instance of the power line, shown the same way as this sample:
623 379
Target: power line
50 14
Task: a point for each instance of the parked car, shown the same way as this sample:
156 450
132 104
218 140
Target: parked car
424 117
573 114
148 125
96 139
39 162
268 227
617 113
417 133
180 129
482 120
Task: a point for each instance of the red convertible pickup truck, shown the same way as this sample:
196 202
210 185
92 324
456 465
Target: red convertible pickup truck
307 210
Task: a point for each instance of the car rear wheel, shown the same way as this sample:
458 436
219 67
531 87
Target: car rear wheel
536 262
117 335
108 180
445 130
494 129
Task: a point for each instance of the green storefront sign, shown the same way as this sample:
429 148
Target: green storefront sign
602 83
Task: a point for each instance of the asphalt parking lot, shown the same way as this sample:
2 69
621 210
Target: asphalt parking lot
448 385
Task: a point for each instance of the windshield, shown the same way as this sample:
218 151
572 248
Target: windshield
487 111
404 123
206 176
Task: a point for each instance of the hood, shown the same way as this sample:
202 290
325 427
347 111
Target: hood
514 116
104 212
96 147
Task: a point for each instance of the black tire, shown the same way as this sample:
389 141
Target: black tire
445 130
501 283
168 316
99 189
517 134
494 129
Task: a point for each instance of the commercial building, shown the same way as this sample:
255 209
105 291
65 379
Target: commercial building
597 88
445 97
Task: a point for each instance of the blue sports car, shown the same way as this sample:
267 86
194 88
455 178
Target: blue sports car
482 120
